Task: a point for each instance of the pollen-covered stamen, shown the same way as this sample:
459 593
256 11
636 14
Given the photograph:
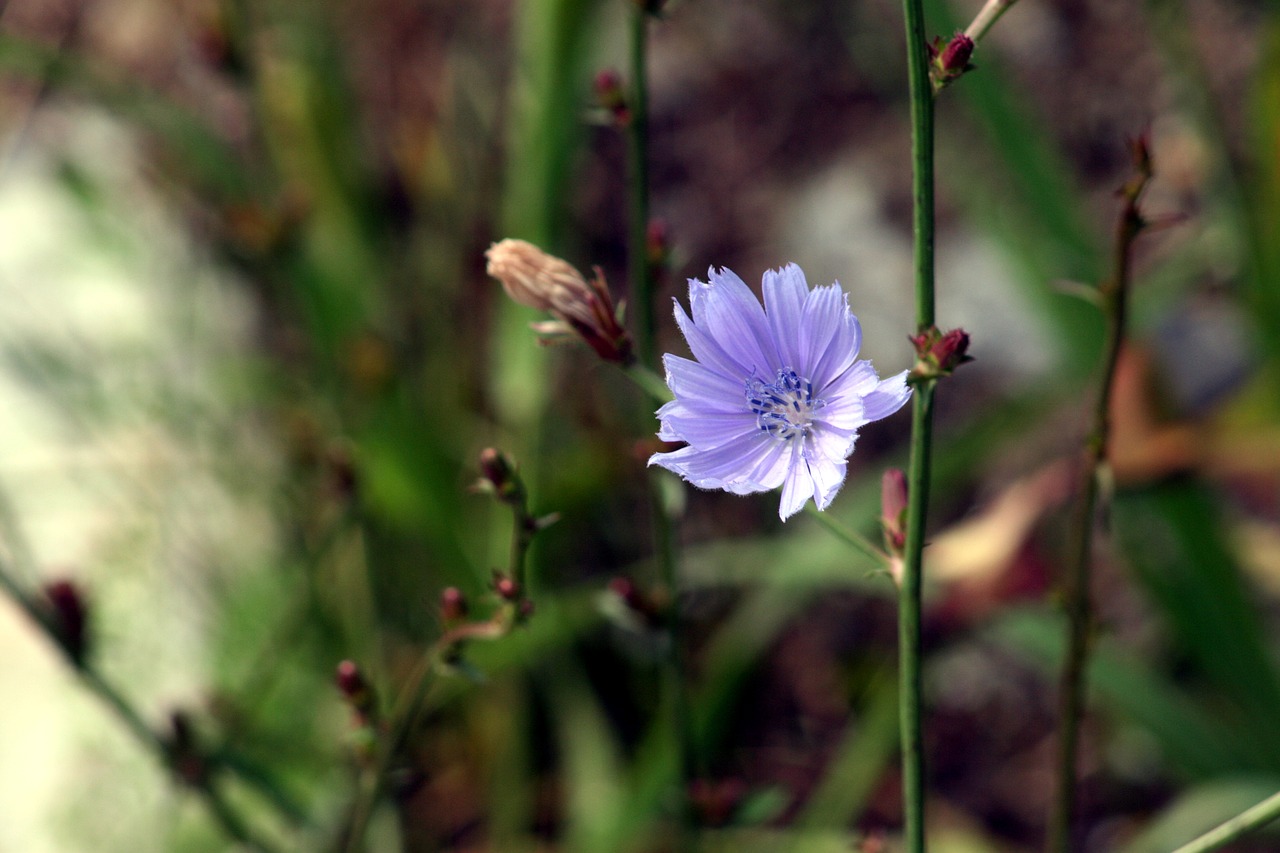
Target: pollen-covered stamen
784 408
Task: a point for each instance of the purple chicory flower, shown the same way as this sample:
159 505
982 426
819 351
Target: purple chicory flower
776 395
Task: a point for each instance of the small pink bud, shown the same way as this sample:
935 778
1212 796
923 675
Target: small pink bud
453 604
356 690
658 242
506 587
893 509
499 477
611 96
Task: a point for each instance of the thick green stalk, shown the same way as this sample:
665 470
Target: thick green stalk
1236 828
640 274
1114 295
909 597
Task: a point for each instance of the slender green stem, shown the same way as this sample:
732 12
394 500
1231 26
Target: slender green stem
909 596
909 618
1235 828
641 281
1114 298
649 382
849 537
640 274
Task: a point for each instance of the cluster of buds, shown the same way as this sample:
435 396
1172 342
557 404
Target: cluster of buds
938 354
949 62
580 307
611 97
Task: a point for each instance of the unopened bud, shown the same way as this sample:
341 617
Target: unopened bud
583 308
658 242
453 604
950 61
355 689
68 617
506 587
939 354
893 510
611 96
499 477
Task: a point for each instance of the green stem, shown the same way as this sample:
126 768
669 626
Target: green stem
1235 828
640 275
909 618
909 599
849 537
641 281
1114 297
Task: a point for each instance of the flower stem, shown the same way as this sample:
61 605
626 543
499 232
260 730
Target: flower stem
1114 300
1235 828
909 597
987 16
849 537
640 275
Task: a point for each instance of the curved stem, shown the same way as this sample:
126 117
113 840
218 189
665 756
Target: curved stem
1114 297
1235 828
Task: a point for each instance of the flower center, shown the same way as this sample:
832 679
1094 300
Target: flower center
784 408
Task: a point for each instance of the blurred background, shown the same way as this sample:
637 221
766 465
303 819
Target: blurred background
249 358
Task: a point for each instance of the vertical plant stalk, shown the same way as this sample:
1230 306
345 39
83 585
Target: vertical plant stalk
642 304
1113 295
639 272
909 596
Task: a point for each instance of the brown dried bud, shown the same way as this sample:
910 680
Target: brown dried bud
533 278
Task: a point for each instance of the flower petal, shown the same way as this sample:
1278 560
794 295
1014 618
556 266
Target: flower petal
889 396
828 477
727 467
707 430
833 334
785 291
727 310
707 390
797 488
707 350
